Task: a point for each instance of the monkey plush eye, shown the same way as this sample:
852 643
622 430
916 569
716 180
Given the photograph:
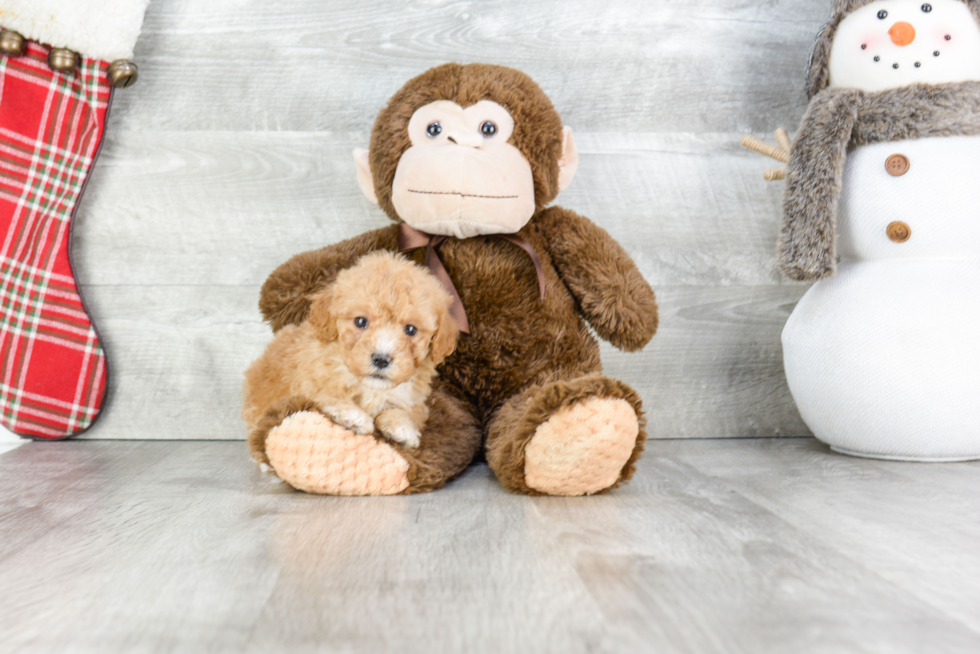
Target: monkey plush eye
411 330
433 130
488 129
361 322
882 14
927 7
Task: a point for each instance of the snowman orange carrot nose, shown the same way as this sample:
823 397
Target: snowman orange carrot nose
902 33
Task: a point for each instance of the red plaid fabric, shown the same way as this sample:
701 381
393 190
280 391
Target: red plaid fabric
52 368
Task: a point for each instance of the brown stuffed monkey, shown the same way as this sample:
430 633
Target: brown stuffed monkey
464 160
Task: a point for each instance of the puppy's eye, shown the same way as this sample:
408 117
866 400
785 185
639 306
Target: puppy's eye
488 129
927 7
882 14
411 330
433 130
360 322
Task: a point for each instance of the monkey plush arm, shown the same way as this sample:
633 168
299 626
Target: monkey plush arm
285 296
807 239
610 290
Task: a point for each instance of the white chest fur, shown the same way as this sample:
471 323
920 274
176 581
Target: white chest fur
403 396
937 197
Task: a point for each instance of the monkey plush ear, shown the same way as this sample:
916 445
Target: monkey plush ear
321 316
364 178
568 163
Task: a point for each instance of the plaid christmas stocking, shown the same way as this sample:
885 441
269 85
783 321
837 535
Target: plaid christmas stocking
52 367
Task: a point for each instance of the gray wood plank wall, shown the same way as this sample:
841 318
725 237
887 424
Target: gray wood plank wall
233 152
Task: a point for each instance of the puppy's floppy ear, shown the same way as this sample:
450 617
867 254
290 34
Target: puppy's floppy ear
321 316
444 340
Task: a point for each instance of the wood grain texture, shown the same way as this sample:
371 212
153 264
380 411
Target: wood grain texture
228 207
621 65
903 522
233 153
717 547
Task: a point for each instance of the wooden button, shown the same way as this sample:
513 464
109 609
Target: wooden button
897 165
898 232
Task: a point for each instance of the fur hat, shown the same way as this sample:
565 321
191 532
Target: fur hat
817 73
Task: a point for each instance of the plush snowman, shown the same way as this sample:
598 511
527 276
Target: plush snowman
882 205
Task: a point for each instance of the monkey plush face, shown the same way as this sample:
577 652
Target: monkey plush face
461 177
892 43
467 150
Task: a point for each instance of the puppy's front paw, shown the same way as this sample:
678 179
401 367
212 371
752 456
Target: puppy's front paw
402 426
351 418
407 436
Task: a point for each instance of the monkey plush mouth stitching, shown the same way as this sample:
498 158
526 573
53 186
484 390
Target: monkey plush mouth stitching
467 195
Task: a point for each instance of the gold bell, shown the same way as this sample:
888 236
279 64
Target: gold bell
63 60
123 73
11 43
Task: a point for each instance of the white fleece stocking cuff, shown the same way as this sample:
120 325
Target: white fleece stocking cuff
101 29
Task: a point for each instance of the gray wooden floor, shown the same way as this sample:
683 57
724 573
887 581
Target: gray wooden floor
233 152
734 546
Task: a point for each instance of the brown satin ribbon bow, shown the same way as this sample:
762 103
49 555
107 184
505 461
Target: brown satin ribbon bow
410 239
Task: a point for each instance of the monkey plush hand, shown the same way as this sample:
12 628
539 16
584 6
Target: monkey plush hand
464 160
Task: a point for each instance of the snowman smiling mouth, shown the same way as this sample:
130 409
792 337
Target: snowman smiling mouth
887 44
902 34
918 64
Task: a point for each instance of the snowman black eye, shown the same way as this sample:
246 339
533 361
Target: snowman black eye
882 14
488 129
877 58
864 46
948 37
433 130
927 7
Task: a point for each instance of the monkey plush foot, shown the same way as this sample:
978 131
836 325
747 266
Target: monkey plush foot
582 448
568 437
310 452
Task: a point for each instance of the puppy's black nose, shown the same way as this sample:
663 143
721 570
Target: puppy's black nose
381 361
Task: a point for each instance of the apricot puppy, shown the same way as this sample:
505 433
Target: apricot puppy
365 356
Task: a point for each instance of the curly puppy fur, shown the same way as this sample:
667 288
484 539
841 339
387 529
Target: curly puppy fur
517 339
365 357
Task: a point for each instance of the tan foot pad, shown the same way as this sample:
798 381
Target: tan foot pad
581 449
309 452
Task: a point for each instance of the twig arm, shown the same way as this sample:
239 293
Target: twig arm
777 153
